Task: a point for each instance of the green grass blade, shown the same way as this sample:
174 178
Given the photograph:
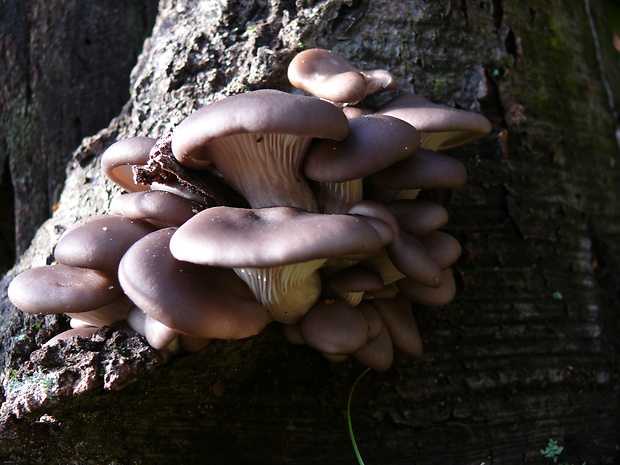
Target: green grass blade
355 449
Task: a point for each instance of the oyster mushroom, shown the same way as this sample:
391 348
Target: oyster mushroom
276 250
440 127
120 158
257 141
330 76
338 167
200 301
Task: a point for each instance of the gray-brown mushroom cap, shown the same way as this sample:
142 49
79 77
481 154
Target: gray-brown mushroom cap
99 242
264 111
61 288
330 76
440 127
374 143
423 169
334 327
118 160
161 207
267 237
257 141
200 301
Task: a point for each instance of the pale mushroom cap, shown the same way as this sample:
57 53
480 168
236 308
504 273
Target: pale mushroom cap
374 143
199 301
62 288
327 75
99 242
117 161
448 127
260 112
266 237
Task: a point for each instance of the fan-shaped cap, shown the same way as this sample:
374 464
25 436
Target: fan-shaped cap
200 301
440 127
374 143
330 76
259 112
99 242
62 288
267 237
423 169
118 160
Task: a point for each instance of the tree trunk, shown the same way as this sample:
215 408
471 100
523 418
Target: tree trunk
528 351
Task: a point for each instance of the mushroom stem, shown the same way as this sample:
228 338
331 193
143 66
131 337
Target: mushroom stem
287 184
287 291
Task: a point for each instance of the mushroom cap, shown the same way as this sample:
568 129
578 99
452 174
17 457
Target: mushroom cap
199 301
423 169
160 206
377 353
267 237
263 111
62 288
443 247
418 217
331 77
379 80
398 318
334 327
99 242
374 142
117 161
327 75
442 127
425 295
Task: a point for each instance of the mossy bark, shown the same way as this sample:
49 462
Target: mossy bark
528 351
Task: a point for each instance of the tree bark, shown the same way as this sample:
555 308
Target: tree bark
528 351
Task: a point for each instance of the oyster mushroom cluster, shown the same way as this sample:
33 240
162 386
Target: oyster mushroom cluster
270 206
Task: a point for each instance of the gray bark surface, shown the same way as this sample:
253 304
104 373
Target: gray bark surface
527 352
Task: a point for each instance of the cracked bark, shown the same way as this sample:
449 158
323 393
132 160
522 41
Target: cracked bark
525 354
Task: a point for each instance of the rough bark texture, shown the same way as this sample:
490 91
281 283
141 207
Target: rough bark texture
528 352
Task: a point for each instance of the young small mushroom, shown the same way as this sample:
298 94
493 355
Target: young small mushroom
199 301
440 127
374 143
257 141
275 250
377 353
120 158
331 77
